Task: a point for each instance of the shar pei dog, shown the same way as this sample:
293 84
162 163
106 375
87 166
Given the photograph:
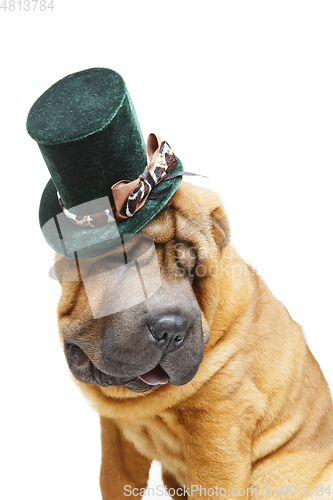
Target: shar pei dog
210 375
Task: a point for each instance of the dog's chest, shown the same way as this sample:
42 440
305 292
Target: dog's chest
157 439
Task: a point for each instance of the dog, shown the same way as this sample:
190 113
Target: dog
209 376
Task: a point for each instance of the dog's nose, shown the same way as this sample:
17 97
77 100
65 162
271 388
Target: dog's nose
170 329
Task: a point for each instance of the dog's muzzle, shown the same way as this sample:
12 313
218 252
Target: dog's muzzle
169 349
149 327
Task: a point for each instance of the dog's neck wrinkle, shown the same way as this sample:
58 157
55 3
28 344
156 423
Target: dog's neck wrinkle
238 287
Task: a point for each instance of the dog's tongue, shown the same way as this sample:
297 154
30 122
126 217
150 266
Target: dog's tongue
156 376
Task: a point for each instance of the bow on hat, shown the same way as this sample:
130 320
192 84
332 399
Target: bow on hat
130 196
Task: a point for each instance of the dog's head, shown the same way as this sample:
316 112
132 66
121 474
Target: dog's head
162 338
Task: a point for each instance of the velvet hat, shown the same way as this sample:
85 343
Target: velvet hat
88 133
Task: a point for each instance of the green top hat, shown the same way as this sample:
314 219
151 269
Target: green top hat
88 133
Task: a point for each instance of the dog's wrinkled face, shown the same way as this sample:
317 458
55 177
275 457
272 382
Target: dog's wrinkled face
157 340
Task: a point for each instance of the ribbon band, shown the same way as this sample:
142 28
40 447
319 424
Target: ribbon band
130 196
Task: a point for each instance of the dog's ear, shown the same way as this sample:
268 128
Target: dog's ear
220 226
212 207
206 208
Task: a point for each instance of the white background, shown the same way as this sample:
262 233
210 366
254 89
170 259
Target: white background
242 90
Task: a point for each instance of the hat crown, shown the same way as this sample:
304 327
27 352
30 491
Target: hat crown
76 106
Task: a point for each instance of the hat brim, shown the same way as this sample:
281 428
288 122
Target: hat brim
70 240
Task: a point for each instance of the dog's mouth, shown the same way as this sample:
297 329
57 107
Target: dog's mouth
156 376
85 371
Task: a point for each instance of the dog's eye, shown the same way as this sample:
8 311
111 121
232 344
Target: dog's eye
136 251
186 257
105 264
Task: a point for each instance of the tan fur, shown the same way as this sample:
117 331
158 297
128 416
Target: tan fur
257 414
